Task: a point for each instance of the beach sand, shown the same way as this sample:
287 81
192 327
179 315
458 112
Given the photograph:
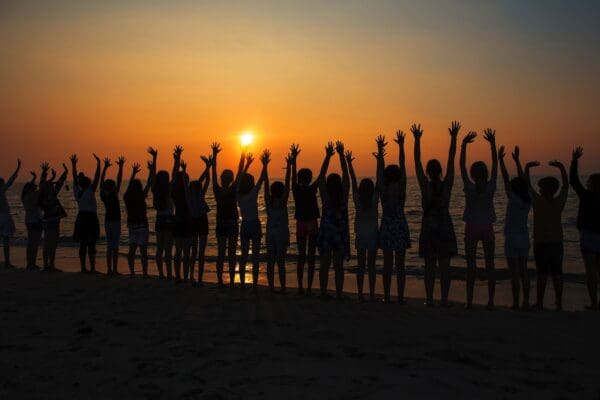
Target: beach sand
68 335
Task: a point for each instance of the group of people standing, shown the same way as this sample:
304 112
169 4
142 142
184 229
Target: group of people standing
182 219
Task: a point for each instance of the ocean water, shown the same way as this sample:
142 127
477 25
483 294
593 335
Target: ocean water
572 261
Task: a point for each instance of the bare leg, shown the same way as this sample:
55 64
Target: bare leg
429 279
160 248
201 252
338 267
232 244
92 255
193 256
488 251
255 261
245 245
221 248
271 259
33 243
591 277
524 274
557 281
513 265
471 255
177 258
302 242
131 258
186 243
400 274
445 279
281 267
168 253
388 262
371 260
541 289
324 271
361 257
144 257
82 255
310 258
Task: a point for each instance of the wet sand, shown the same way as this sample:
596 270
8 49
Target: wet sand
68 335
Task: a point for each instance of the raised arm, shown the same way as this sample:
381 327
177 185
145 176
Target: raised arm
453 130
61 180
349 160
216 148
12 178
528 167
151 175
44 174
339 148
490 136
574 171
564 189
120 164
96 174
107 164
205 177
52 175
241 169
265 158
505 177
288 164
33 177
329 152
516 155
294 151
469 138
380 156
401 156
74 160
176 162
135 169
421 178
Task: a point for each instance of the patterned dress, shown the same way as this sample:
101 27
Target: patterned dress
393 231
334 232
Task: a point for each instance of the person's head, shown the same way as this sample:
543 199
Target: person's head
108 186
548 186
83 181
246 183
135 187
593 183
520 187
366 189
304 176
29 187
434 170
333 185
479 172
227 177
277 191
391 174
160 190
135 194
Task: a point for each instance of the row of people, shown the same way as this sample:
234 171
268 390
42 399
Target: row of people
182 218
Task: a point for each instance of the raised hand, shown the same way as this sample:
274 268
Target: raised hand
177 151
33 175
490 135
329 149
207 160
556 164
294 150
121 161
532 164
400 136
516 153
152 151
216 148
381 143
65 167
470 137
501 153
349 157
577 152
339 147
249 159
135 168
96 157
19 163
45 166
417 131
107 162
265 157
73 159
454 128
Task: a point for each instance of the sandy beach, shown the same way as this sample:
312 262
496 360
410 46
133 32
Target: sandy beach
68 335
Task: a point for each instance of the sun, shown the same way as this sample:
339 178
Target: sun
246 138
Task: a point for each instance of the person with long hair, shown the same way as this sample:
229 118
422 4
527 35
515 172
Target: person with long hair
162 202
30 198
7 224
479 214
53 212
199 213
278 230
87 227
394 236
516 230
251 230
109 194
227 228
137 219
437 241
334 236
588 223
366 224
182 233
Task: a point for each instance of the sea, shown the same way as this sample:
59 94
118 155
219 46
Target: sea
573 263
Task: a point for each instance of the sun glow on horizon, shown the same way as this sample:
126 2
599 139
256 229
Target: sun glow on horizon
246 138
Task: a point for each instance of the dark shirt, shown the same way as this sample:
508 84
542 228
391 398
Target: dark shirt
226 203
135 204
305 198
111 205
588 216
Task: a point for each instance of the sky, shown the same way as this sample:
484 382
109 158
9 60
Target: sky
114 77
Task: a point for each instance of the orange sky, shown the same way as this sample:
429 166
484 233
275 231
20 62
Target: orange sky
118 77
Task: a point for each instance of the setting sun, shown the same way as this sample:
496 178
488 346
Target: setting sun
246 138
